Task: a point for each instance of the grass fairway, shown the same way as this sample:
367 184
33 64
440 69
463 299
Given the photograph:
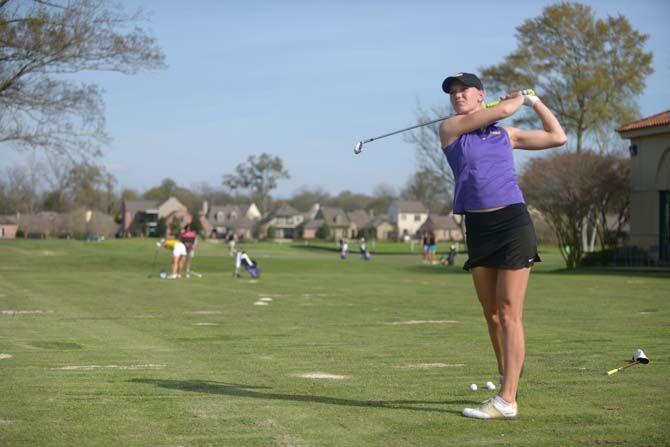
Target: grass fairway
101 354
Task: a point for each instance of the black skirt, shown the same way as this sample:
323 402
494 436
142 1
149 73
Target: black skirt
503 239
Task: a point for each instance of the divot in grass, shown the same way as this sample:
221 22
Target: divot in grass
320 375
5 356
429 365
23 312
206 324
425 322
123 367
5 422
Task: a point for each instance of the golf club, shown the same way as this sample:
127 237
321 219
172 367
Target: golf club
359 146
153 263
196 274
638 357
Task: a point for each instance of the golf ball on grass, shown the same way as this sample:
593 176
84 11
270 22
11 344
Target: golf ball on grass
490 386
473 387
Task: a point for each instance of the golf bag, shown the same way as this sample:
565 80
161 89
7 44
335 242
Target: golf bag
253 269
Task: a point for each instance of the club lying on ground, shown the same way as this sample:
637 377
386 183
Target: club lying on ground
639 357
153 263
196 274
359 146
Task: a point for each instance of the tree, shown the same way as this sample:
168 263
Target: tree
587 70
259 175
323 232
382 196
306 197
91 186
161 227
430 189
42 43
426 141
568 188
20 187
169 188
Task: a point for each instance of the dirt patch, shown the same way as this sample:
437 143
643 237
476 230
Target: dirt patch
23 312
425 322
429 365
320 375
124 367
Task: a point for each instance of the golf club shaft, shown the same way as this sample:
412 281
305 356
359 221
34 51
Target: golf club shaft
614 371
487 105
490 104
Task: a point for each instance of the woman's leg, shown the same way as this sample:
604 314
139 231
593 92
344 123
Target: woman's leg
486 280
511 293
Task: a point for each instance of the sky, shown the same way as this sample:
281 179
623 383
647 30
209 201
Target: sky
305 80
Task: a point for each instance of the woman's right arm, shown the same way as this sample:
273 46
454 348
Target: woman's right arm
454 126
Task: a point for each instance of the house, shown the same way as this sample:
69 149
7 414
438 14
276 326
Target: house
140 217
285 220
380 228
650 184
338 221
218 221
407 216
8 227
359 219
311 229
444 228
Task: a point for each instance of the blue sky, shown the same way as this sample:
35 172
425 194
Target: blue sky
306 80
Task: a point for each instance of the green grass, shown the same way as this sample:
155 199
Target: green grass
163 379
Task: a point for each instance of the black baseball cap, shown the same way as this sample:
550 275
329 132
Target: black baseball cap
468 79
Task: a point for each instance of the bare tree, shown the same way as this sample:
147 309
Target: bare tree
42 43
426 141
570 188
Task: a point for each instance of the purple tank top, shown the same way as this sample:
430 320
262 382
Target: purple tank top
483 168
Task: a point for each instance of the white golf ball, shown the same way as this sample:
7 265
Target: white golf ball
473 387
490 386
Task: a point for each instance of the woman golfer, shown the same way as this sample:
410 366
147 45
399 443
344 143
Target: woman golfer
500 234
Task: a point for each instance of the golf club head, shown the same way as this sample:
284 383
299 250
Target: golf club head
358 148
640 356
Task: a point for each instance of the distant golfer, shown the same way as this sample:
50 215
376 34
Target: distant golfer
189 238
344 254
500 235
178 255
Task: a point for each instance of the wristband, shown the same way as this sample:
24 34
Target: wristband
530 100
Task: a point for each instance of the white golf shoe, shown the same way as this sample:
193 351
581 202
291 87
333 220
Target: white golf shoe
493 408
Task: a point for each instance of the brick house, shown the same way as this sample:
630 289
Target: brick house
140 217
8 227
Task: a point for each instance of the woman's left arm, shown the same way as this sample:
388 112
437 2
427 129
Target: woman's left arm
552 134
